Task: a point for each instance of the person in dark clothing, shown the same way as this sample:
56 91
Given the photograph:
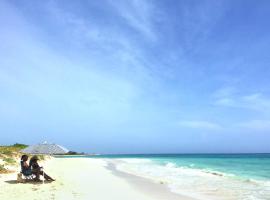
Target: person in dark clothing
25 168
37 170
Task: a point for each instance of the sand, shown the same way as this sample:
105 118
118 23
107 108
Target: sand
80 178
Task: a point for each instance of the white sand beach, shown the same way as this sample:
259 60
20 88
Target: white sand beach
79 178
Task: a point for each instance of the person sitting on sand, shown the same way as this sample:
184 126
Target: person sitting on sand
26 169
37 170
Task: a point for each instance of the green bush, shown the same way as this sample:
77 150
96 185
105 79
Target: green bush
2 169
11 150
5 151
20 146
10 161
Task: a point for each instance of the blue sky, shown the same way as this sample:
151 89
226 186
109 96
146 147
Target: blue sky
136 76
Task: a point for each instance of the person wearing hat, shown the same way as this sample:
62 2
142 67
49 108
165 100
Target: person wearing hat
37 170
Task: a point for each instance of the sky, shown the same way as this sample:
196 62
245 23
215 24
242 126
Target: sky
136 76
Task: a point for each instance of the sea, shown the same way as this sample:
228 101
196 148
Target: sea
202 176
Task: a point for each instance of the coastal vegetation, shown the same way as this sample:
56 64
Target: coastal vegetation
9 156
71 153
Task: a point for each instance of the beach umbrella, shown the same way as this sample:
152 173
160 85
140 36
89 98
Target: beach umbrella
45 148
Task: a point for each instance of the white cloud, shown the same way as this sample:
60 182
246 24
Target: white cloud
139 14
230 98
256 125
257 101
200 125
199 19
120 48
225 92
225 102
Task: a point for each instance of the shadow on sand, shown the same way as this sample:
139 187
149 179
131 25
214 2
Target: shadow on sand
28 182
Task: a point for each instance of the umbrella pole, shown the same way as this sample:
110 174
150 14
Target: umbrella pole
43 174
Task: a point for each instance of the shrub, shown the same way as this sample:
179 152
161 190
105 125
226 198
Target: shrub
5 151
2 169
10 161
20 146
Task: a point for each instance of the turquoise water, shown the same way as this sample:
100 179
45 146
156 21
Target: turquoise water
255 166
202 176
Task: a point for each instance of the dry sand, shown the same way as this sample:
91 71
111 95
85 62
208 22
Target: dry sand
80 178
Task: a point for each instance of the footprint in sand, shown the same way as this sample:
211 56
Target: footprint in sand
52 196
75 194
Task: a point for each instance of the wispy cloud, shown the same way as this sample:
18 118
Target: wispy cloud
229 97
225 92
139 14
54 79
198 20
200 125
255 125
141 66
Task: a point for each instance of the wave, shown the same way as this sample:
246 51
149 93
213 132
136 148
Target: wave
170 165
135 160
207 170
203 183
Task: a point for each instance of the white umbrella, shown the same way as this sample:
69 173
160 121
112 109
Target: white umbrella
45 148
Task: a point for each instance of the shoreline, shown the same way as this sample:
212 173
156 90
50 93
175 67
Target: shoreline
80 178
147 186
105 178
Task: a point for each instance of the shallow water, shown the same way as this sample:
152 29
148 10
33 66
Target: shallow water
203 176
